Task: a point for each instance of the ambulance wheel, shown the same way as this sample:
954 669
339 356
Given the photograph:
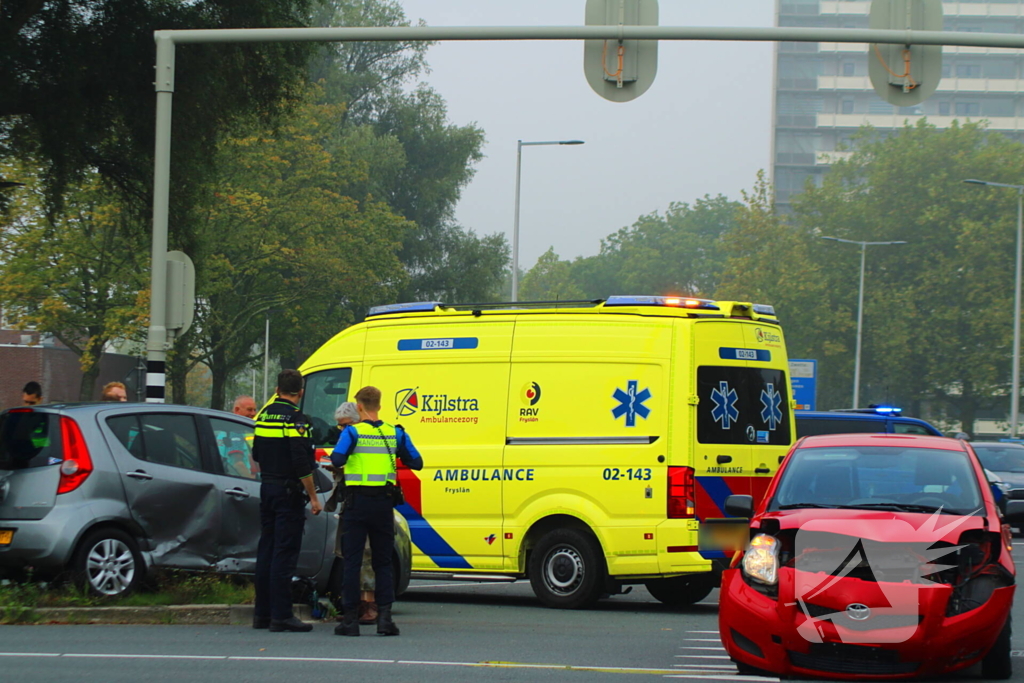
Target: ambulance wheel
567 569
681 591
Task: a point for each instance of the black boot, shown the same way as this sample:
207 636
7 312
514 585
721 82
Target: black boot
289 624
349 625
385 626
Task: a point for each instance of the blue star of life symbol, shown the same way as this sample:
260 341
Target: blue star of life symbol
725 410
772 402
631 403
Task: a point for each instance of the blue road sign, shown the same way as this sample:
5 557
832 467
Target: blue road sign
803 377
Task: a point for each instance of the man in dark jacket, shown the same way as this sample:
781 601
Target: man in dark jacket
284 451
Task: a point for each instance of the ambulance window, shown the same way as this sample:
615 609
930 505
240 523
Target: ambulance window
742 406
325 391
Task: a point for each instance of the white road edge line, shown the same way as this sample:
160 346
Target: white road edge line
702 656
715 632
718 678
693 647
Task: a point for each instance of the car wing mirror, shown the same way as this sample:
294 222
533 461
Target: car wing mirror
1015 512
738 505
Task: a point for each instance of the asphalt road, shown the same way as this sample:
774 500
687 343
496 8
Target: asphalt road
450 632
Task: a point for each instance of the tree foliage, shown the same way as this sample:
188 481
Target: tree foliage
77 274
283 236
938 322
76 80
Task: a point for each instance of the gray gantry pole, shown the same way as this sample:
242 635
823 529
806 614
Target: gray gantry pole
158 339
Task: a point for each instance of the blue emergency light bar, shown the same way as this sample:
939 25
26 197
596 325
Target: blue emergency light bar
669 301
412 307
887 410
764 309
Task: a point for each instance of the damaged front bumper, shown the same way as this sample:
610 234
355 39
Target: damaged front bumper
904 633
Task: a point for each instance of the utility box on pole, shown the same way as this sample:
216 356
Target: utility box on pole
621 70
905 75
181 293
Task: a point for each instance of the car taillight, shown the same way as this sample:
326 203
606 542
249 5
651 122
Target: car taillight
77 464
680 492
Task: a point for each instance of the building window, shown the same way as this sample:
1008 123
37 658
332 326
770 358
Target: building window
879 106
947 70
1002 106
943 108
846 107
849 69
968 71
968 109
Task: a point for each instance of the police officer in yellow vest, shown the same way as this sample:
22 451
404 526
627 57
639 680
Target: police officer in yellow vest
284 451
368 451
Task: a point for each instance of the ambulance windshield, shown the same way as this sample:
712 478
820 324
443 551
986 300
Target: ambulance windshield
742 405
325 391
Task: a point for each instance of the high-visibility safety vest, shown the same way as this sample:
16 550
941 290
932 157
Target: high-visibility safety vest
372 463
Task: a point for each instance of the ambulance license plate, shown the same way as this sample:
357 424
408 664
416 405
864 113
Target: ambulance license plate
726 534
6 536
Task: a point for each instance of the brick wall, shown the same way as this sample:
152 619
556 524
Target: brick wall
57 370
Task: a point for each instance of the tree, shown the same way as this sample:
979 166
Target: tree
282 235
77 274
678 253
550 280
936 310
437 161
76 86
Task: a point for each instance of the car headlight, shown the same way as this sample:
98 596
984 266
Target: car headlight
761 560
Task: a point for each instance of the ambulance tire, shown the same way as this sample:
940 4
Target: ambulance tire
567 569
681 591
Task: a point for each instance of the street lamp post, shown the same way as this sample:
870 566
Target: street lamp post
860 307
515 229
1015 380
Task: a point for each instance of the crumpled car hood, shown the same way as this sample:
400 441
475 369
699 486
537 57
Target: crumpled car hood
879 525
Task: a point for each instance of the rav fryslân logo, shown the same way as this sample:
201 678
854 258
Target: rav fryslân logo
891 574
530 396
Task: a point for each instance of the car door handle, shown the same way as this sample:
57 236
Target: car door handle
722 459
139 474
236 492
762 470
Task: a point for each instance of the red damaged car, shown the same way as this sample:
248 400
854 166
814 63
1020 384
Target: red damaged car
872 556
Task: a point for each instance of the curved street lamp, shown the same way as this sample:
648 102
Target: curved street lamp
515 229
860 306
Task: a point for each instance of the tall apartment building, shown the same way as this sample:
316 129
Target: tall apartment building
823 94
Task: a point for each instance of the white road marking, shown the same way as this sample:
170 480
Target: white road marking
702 640
713 649
715 632
731 667
702 657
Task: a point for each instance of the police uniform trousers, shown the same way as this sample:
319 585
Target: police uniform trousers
282 517
368 514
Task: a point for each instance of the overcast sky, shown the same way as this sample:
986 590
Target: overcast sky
702 128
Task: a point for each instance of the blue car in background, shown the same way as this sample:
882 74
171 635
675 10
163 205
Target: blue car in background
876 419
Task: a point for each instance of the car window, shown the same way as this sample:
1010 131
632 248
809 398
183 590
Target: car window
325 391
910 428
234 446
877 476
812 426
29 439
161 438
127 430
1001 458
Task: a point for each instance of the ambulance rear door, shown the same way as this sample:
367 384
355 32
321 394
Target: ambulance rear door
773 417
724 422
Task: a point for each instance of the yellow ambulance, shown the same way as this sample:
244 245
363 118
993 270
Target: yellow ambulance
586 446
